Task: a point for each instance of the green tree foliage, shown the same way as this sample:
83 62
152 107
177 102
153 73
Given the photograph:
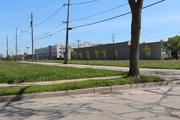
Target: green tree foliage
8 58
146 51
80 56
103 54
74 54
95 54
172 45
87 55
115 54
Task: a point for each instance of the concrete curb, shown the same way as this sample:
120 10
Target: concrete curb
12 98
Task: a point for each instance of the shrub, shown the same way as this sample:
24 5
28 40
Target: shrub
80 56
95 54
87 55
103 54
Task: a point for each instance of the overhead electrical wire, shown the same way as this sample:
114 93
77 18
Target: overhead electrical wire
99 21
24 23
49 17
84 2
99 13
43 6
115 16
50 30
50 34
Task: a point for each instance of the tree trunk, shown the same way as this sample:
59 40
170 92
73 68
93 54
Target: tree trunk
136 8
176 55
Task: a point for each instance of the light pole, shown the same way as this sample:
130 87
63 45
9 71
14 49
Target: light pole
27 50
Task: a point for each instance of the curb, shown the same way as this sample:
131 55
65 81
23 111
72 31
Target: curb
12 98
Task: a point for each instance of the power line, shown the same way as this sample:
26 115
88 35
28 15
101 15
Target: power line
43 6
50 30
50 34
99 13
84 2
50 16
115 16
24 23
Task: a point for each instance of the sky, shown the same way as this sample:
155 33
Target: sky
159 22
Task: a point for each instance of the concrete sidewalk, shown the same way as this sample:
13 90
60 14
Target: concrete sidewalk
167 74
4 85
149 103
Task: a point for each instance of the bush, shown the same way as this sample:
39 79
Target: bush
115 54
87 55
95 54
80 56
74 54
103 54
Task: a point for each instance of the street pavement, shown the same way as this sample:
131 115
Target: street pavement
167 74
152 103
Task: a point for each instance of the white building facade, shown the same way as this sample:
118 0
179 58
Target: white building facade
55 52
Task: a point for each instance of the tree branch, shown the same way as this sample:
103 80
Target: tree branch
132 3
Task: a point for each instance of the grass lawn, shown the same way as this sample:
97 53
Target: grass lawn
160 64
15 72
77 85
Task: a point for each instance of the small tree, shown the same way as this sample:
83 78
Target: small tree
172 45
87 55
103 54
8 58
95 54
115 54
146 51
74 54
80 56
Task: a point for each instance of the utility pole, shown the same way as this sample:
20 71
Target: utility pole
16 44
113 37
78 42
27 50
7 47
32 37
67 32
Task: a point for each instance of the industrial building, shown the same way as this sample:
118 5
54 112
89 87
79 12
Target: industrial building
123 50
55 52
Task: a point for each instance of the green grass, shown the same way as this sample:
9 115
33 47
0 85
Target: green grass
15 72
160 64
77 85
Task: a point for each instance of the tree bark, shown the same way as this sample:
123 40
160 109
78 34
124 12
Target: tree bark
136 8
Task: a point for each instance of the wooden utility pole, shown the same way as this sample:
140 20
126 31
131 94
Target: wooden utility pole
16 44
78 44
67 31
7 48
32 37
113 37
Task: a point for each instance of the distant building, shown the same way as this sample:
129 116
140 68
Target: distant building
2 58
123 50
52 53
